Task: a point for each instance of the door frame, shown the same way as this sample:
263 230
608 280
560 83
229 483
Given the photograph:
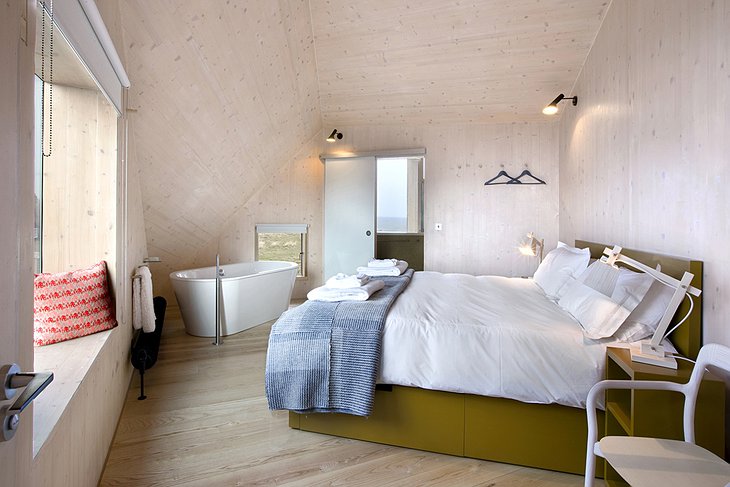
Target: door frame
17 44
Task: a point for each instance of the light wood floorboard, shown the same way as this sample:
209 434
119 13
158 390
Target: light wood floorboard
205 422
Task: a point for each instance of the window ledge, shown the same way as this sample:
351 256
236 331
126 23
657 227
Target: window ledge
69 361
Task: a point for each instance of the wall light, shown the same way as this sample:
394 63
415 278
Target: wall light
533 247
552 108
334 135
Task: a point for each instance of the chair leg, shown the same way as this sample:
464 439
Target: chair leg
590 465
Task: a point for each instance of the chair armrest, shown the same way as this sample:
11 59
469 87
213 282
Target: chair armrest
604 385
648 385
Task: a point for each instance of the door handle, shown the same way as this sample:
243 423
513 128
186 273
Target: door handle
13 378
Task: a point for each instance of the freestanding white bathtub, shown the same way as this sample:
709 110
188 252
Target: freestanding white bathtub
252 293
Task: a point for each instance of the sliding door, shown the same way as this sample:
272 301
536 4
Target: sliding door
349 214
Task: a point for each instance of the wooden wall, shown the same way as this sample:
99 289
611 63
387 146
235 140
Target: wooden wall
16 217
80 182
293 195
225 95
645 157
482 225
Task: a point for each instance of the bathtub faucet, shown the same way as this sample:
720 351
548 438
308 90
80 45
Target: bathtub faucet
221 272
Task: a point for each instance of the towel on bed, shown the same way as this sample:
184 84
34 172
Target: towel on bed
324 357
361 293
344 281
383 262
395 270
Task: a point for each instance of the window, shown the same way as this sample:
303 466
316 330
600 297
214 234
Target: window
286 242
400 194
75 165
76 200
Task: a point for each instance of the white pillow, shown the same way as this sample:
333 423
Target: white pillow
631 287
643 320
601 315
559 267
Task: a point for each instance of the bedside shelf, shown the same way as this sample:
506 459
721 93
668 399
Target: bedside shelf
623 418
659 413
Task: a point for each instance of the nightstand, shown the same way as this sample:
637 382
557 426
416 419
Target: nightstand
659 413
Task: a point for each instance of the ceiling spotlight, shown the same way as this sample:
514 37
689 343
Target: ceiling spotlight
334 135
552 108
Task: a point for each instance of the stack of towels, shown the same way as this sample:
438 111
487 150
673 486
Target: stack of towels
346 288
384 267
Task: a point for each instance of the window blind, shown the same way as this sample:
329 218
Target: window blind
81 24
282 228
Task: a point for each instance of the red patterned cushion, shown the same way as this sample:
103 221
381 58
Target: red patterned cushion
71 304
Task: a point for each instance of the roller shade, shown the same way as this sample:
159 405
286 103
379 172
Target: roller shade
83 27
282 228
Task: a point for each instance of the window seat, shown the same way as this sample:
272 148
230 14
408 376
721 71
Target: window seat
69 361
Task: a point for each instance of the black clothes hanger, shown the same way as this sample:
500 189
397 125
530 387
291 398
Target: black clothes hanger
493 181
527 173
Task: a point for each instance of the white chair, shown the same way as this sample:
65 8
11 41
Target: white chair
651 461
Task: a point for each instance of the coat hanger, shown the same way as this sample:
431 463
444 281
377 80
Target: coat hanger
493 181
526 172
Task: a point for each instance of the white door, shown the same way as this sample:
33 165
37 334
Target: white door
349 214
16 220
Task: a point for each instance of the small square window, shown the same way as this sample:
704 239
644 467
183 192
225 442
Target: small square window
284 243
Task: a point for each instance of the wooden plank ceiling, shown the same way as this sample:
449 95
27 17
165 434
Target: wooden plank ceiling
225 93
435 61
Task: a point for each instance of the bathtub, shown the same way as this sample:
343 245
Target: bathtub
252 293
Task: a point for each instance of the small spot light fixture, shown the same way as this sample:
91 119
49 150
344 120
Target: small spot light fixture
533 247
552 108
334 136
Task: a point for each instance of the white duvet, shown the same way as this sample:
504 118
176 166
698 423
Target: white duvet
488 335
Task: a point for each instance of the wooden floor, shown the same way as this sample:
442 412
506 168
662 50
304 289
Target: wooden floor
206 422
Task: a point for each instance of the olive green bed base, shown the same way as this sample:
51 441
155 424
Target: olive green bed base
548 436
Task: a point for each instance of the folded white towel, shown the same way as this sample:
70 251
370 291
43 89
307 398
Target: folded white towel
395 270
143 309
362 293
383 263
342 281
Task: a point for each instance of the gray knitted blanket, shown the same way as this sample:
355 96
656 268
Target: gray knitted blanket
324 357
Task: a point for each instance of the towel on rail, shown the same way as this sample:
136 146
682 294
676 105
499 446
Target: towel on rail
395 270
342 280
383 262
362 293
143 309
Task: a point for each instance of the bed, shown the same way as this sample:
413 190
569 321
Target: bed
432 413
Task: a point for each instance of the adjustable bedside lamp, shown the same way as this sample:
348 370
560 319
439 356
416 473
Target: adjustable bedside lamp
652 352
533 247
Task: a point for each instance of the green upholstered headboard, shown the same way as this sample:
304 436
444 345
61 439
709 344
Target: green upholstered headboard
688 337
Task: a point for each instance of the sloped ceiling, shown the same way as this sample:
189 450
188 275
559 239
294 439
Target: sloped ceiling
224 93
435 61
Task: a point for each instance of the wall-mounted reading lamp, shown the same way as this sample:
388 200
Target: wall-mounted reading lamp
533 247
552 108
652 351
334 135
